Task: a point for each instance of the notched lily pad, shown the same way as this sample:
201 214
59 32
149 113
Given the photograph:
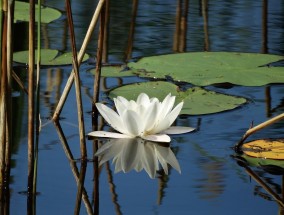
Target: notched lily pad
196 100
22 13
49 57
207 68
265 148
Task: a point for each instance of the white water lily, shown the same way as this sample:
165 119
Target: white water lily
146 117
137 154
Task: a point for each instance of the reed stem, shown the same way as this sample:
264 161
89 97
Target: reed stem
99 60
31 99
80 58
257 128
77 83
37 108
10 23
3 111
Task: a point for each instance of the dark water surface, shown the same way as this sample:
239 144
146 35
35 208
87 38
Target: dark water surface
211 182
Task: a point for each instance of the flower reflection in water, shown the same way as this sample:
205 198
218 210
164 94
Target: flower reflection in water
138 154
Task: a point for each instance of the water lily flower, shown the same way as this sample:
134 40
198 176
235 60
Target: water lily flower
146 117
137 154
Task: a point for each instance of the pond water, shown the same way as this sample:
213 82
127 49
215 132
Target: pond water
211 182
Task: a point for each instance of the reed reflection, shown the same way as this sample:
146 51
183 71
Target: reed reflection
137 154
265 183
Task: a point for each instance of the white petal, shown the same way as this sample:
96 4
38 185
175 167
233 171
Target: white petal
120 106
123 100
158 138
111 117
143 99
161 125
174 113
154 99
108 134
133 122
142 110
132 105
177 130
150 116
167 105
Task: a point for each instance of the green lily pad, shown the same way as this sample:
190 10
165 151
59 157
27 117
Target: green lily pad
22 13
207 68
196 100
49 57
114 71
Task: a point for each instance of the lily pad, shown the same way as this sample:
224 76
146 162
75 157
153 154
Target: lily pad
49 57
196 100
114 71
265 148
22 13
207 68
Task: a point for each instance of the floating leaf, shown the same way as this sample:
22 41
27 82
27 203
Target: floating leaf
265 148
206 68
114 71
22 13
196 100
49 57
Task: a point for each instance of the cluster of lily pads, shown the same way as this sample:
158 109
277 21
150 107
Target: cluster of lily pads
139 110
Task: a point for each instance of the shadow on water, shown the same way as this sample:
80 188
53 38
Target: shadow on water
210 181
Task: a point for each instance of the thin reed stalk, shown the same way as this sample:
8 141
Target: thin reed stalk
1 23
77 83
3 107
80 58
37 97
105 49
95 99
99 60
257 128
31 111
19 82
8 133
3 110
94 110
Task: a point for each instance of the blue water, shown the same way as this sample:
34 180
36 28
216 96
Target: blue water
210 182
